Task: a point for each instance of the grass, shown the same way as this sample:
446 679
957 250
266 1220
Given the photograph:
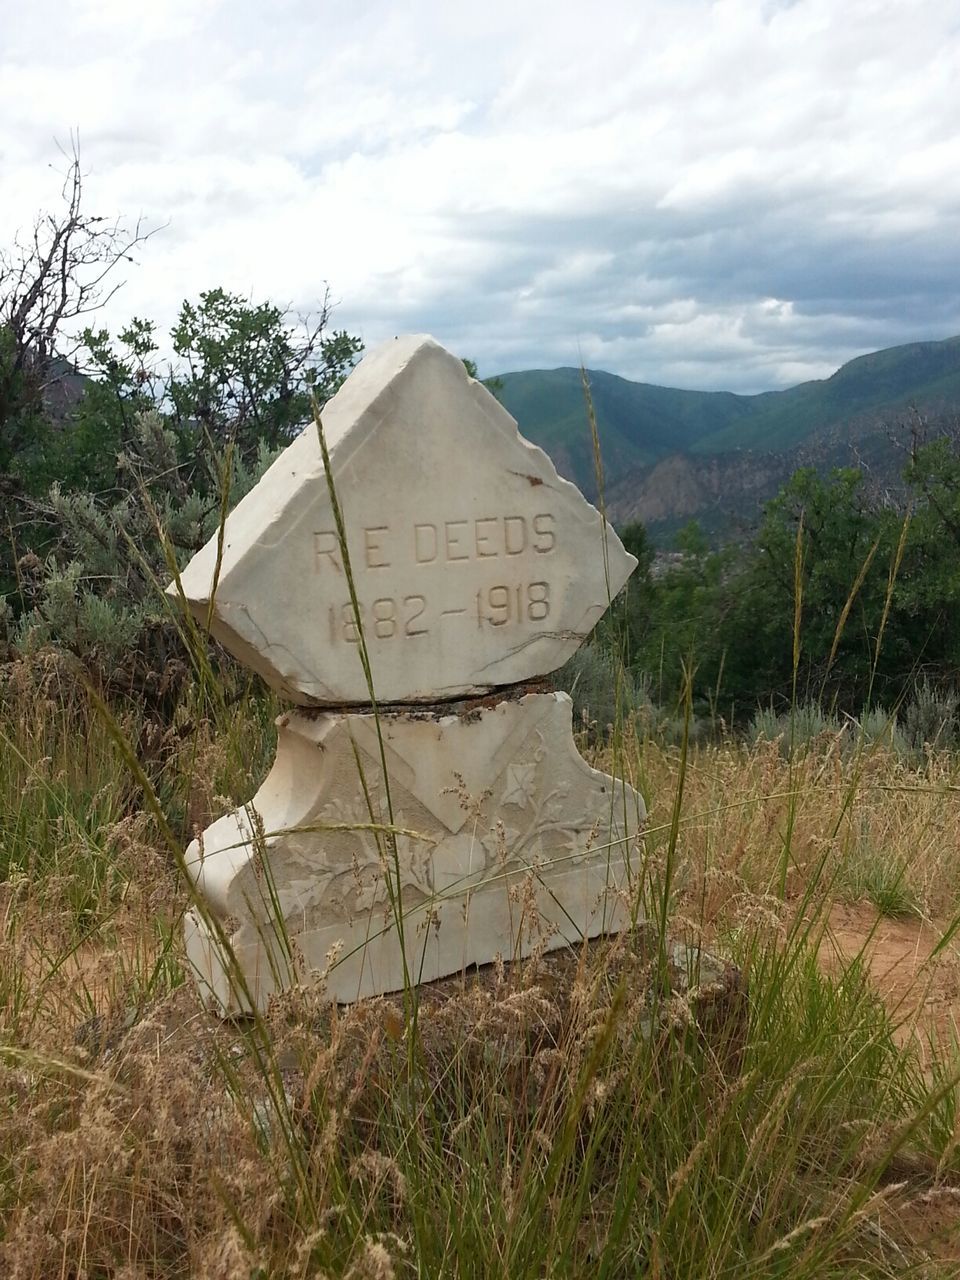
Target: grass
562 1122
590 1113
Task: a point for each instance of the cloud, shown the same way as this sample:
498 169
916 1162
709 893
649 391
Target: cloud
733 195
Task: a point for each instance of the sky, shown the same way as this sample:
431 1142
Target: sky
715 194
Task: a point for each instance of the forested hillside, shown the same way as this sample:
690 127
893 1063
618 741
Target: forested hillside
736 450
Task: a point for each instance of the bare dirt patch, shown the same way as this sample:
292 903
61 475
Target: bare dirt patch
930 1222
919 985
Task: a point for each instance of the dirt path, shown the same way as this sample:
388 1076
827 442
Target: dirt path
921 991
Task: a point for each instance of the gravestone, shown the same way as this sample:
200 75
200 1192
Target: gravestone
457 822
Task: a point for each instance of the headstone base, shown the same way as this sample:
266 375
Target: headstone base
409 854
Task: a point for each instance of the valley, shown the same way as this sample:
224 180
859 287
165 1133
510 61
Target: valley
672 455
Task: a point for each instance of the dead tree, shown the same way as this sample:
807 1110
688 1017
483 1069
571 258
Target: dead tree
52 276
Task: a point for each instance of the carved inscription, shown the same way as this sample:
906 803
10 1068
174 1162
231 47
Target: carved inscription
482 541
502 605
374 549
384 619
326 551
446 542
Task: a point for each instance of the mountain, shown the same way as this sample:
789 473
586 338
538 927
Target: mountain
672 455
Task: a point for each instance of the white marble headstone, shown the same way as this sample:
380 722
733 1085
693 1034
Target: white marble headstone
410 844
508 841
476 566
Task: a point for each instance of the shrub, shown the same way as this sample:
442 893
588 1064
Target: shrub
604 691
800 729
930 718
97 591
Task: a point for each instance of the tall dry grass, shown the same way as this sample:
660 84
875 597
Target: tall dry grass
557 1119
598 1113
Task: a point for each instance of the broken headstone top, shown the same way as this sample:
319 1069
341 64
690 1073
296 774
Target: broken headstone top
475 565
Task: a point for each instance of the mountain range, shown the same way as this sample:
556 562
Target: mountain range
671 455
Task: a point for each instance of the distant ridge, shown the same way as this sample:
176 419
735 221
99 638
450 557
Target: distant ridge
720 436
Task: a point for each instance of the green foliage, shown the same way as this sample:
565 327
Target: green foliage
602 689
671 622
50 277
105 480
635 540
881 728
140 473
804 727
493 385
243 376
24 427
68 613
877 871
122 385
25 437
930 718
926 721
928 588
845 549
246 376
873 591
98 593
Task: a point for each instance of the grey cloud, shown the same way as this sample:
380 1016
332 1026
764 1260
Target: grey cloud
714 196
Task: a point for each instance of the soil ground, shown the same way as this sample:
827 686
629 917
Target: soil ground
922 992
920 989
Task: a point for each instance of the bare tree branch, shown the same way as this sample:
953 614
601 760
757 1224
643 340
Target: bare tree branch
60 271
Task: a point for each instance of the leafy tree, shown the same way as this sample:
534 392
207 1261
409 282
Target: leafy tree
820 560
122 383
878 587
154 449
729 616
89 479
668 619
928 584
245 374
637 542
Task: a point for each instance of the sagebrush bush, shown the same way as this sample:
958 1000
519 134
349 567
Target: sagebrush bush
880 728
930 717
798 730
604 692
927 721
97 590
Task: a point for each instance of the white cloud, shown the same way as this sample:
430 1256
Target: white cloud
731 194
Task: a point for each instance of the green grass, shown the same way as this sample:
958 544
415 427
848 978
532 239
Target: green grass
584 1125
567 1117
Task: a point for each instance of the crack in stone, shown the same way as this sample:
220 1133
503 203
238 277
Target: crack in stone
465 707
